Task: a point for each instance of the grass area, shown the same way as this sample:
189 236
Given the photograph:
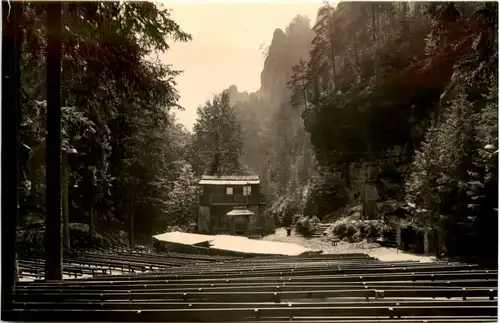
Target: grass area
372 249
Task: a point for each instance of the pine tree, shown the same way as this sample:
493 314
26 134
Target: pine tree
182 200
218 140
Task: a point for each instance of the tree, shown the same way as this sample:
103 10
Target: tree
182 201
466 123
11 51
115 111
112 83
217 138
429 67
53 222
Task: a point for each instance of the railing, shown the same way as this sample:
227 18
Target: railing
228 199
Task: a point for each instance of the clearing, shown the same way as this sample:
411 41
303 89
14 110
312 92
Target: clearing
372 249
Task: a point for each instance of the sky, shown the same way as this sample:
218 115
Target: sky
226 46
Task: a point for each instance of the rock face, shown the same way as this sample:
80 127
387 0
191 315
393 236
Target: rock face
287 48
276 68
261 113
237 97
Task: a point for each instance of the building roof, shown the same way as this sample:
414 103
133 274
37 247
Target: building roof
240 211
229 180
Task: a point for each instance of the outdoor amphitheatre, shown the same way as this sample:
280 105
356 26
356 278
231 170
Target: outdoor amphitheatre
257 161
274 282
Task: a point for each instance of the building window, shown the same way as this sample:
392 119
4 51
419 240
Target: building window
229 191
247 190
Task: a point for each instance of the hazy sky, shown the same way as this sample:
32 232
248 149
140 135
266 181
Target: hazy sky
225 46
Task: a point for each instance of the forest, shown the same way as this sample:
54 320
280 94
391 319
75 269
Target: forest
389 102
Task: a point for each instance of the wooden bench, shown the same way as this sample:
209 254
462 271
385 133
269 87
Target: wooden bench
327 288
253 314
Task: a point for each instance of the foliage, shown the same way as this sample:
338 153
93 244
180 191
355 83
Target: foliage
325 196
182 201
117 98
447 175
306 226
284 209
430 66
296 218
31 238
217 142
358 230
321 112
452 168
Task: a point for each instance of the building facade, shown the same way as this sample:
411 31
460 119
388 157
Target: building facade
230 205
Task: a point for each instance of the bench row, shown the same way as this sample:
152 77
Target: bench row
246 314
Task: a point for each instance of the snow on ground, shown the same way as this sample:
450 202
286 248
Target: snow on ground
372 249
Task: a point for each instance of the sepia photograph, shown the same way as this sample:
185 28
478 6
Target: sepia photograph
242 161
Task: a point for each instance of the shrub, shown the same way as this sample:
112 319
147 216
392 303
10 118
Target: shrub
296 218
31 238
314 221
358 230
351 230
362 228
373 231
325 195
357 237
283 211
306 226
339 228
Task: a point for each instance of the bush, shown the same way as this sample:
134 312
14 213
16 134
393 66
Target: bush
358 230
284 210
306 226
356 237
31 237
296 218
314 221
339 228
362 228
351 231
326 195
303 227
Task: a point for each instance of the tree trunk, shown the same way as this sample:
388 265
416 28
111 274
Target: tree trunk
398 236
374 27
32 174
426 241
306 162
65 204
345 174
305 150
91 209
53 232
11 46
131 220
268 175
